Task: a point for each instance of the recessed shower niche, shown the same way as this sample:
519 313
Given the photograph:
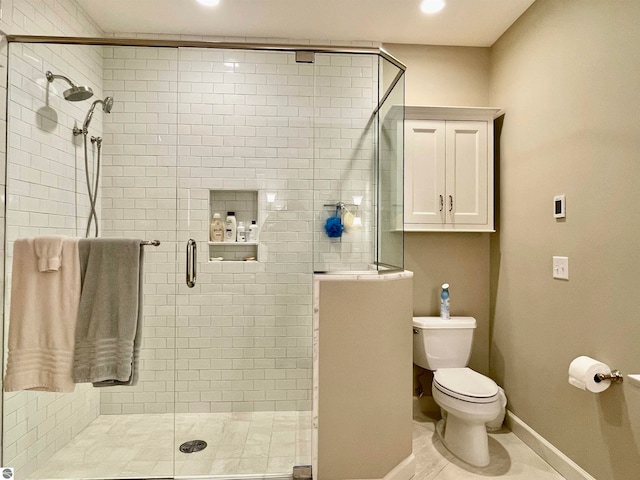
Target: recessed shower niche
244 206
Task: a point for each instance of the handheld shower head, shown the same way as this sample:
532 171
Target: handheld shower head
74 94
107 104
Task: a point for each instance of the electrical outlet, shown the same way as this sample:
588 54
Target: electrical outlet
561 268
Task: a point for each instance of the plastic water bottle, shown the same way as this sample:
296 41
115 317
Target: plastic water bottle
444 302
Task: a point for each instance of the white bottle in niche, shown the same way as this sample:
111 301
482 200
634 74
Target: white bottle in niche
216 232
241 235
230 227
253 231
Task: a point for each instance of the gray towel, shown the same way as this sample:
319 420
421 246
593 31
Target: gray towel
109 326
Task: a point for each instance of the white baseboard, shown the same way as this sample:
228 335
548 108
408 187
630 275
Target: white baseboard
554 457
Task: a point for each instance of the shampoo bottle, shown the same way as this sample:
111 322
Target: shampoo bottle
216 232
444 302
253 232
230 227
241 233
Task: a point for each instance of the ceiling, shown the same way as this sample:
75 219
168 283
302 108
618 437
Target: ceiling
462 22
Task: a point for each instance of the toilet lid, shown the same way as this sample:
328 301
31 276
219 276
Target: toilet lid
465 384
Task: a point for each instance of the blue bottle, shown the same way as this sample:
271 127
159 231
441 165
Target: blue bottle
444 302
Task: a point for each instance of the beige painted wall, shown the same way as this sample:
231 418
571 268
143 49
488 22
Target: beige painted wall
462 260
449 76
568 76
364 375
439 75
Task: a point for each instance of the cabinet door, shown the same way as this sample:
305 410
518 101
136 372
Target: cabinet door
466 173
424 172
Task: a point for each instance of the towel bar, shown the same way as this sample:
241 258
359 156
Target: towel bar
154 243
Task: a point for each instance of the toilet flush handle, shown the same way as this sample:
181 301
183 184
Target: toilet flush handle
416 331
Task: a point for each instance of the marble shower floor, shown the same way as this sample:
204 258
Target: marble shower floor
510 457
143 446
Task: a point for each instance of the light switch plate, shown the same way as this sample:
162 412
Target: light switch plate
561 268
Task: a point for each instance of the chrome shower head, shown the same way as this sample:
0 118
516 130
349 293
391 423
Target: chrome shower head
107 104
76 93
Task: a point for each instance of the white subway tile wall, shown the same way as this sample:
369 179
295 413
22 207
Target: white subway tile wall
35 424
46 194
139 200
46 17
344 162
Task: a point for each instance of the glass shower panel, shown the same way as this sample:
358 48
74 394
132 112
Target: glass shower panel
139 201
95 432
346 87
390 167
244 330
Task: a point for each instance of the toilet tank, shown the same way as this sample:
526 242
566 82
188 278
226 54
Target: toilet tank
442 343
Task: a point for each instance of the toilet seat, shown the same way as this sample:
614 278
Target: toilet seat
465 384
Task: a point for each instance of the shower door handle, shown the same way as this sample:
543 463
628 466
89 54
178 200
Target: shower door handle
192 260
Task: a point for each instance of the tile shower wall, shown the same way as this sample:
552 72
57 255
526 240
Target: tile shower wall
238 120
38 424
344 168
46 194
139 200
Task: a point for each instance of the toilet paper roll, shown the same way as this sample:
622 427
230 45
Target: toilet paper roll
582 372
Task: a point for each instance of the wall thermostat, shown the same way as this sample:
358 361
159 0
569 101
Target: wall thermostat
559 206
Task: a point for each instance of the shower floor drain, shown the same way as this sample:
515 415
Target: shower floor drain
193 446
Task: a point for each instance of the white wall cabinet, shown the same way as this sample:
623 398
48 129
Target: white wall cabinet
449 169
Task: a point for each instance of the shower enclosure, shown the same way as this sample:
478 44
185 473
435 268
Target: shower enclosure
289 137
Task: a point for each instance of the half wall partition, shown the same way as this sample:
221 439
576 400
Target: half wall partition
196 130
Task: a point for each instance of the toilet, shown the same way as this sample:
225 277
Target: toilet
468 399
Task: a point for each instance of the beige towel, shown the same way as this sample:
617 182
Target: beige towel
49 252
42 320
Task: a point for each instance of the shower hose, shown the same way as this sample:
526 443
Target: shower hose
92 190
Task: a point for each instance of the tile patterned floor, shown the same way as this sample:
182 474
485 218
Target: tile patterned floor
142 446
510 458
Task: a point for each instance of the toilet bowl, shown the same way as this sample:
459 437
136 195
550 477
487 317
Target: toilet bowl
467 398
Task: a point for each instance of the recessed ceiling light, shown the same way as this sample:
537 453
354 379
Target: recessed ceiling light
209 3
431 6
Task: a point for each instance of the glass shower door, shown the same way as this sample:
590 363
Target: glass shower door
243 325
106 432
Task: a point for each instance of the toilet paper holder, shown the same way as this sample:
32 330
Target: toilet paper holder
615 376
